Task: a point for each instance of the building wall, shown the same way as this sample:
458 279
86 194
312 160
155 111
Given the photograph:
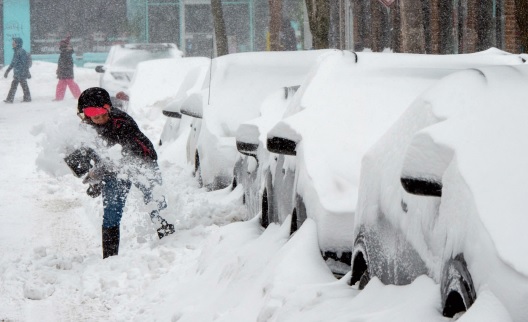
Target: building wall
15 24
188 24
511 30
455 26
93 25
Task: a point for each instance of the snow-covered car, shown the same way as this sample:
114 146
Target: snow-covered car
120 65
238 85
346 104
193 80
254 158
158 88
443 193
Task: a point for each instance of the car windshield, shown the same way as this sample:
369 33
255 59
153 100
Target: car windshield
129 57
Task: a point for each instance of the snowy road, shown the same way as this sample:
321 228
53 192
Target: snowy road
35 218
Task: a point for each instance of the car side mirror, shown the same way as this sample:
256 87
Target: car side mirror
247 139
172 114
422 187
281 145
99 69
424 164
193 106
245 148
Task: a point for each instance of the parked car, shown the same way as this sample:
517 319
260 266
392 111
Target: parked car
346 104
443 193
238 85
122 60
193 79
254 157
167 82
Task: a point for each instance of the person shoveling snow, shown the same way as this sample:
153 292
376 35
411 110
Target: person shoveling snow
113 177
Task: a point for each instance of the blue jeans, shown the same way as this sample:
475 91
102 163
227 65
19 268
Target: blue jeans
115 192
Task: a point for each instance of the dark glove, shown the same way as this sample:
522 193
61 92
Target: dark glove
28 75
94 190
95 176
6 74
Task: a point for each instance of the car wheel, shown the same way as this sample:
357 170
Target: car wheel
298 214
234 184
360 269
458 292
293 226
197 169
265 220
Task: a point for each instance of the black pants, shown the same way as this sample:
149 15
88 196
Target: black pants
14 85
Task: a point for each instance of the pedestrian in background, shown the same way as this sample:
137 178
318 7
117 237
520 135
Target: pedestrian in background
65 71
21 72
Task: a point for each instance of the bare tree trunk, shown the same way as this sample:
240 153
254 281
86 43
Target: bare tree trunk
396 34
359 25
413 35
219 27
446 32
275 24
521 15
376 9
471 26
319 19
435 28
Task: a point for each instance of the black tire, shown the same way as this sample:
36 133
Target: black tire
264 219
234 184
359 263
197 169
363 281
298 214
294 226
457 289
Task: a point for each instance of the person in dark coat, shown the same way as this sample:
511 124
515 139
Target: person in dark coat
65 72
138 166
21 73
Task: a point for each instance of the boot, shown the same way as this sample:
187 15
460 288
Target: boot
110 241
165 229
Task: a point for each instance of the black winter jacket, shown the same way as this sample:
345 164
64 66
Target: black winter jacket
65 64
122 129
